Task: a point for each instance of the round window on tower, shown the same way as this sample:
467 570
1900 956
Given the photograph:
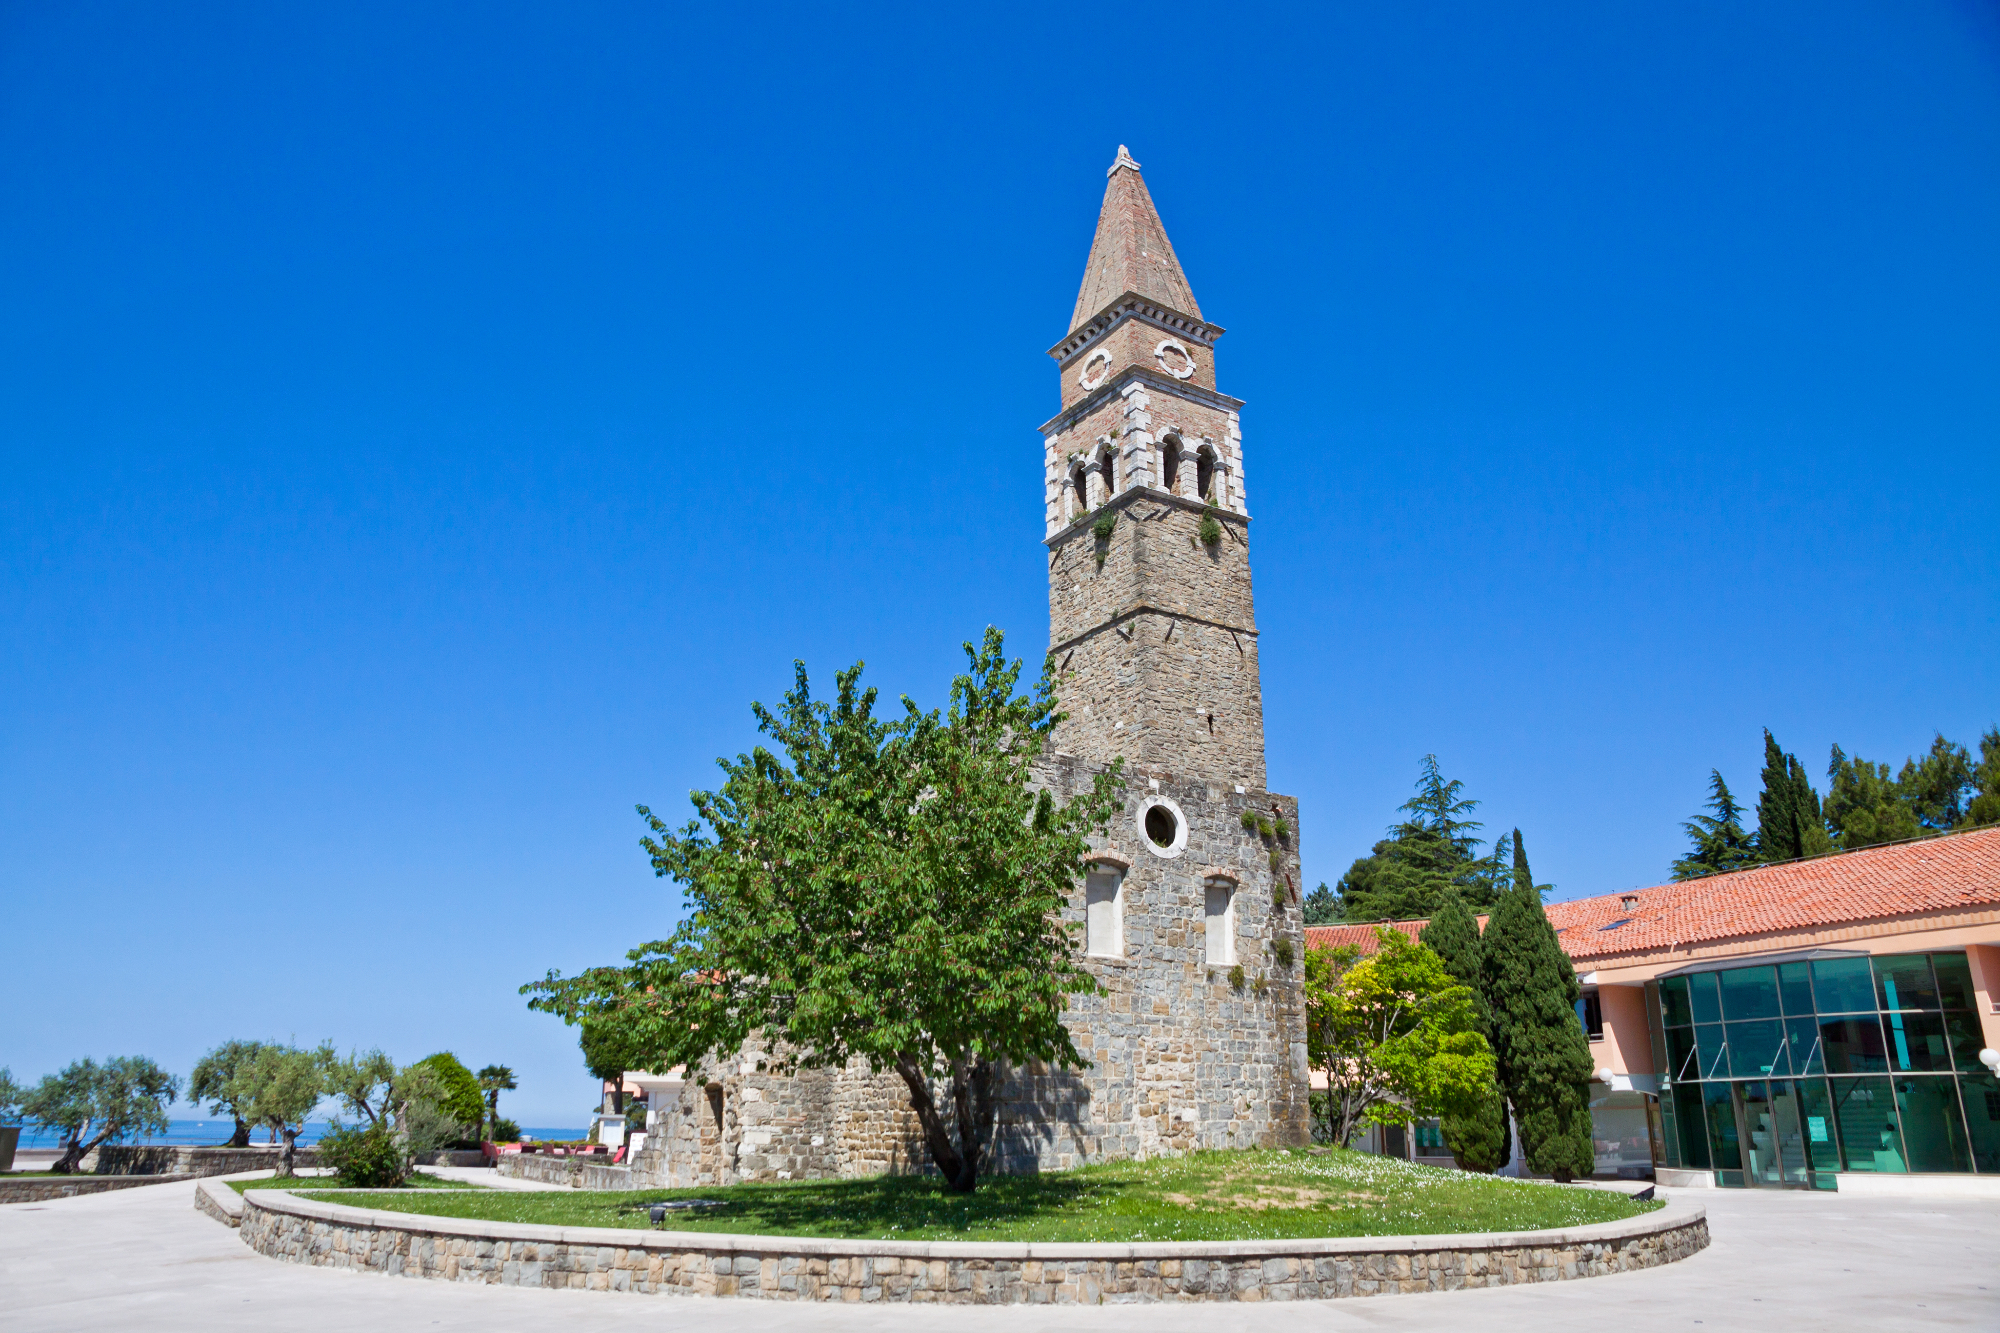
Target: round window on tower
1164 826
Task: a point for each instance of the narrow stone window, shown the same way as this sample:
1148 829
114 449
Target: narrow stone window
1109 462
1219 920
1170 463
1104 913
1079 481
1204 473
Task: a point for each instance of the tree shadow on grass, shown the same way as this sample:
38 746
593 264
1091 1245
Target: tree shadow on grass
871 1207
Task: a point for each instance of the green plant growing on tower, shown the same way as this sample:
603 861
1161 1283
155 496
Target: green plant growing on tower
1209 531
1236 977
1104 525
1281 950
1282 829
1249 818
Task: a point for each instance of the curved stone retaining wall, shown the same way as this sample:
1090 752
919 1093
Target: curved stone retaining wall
41 1186
590 1173
276 1223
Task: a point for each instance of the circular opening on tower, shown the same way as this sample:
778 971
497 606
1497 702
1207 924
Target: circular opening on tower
1161 826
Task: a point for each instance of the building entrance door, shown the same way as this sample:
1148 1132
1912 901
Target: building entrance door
1774 1150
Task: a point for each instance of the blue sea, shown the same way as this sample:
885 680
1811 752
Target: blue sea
218 1132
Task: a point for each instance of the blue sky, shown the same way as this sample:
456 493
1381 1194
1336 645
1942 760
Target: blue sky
426 429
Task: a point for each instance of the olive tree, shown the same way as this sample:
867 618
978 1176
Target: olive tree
884 890
90 1104
214 1081
279 1087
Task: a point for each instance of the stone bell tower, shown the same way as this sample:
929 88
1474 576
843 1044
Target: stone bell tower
1151 621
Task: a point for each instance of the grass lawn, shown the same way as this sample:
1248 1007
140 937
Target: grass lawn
326 1184
1205 1196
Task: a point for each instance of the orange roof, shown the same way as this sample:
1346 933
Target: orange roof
1902 879
1361 937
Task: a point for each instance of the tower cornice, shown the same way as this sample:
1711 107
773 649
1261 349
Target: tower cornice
1153 379
1132 495
1131 305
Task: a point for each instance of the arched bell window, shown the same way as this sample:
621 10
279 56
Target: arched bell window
1170 463
1204 474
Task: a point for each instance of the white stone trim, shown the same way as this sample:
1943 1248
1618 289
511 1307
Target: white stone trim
1180 827
1160 355
1098 361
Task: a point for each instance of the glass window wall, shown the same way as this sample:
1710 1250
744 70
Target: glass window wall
1782 1075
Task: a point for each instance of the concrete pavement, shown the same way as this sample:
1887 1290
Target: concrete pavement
144 1258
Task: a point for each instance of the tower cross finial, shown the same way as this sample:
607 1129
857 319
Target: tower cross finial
1124 160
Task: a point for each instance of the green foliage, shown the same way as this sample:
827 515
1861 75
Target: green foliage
1478 1137
1984 807
1264 829
887 891
91 1104
1864 805
504 1130
1407 873
1322 908
1279 899
1103 525
10 1098
1395 1035
1789 822
458 1093
365 1084
1249 818
1543 1055
1720 844
279 1086
1281 950
1236 977
214 1081
494 1080
1209 531
369 1157
1282 829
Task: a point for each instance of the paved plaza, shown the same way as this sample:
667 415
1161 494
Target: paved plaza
1780 1263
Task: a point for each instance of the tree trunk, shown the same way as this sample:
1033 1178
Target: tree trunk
974 1106
241 1138
291 1152
71 1161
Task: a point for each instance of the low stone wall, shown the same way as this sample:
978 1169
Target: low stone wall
280 1225
42 1186
141 1159
220 1202
585 1173
452 1157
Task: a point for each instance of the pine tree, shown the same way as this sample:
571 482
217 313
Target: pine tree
1543 1055
1985 807
1425 855
1477 1142
1864 806
1789 824
1720 844
1321 907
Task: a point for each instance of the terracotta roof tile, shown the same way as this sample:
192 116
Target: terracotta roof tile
1931 875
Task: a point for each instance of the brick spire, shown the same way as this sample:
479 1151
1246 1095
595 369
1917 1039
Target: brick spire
1131 252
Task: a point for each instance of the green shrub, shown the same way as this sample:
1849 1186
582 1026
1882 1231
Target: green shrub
1250 821
1283 829
1281 949
1278 896
1277 858
1261 984
1210 531
1103 526
370 1158
1236 977
460 1097
1264 829
506 1131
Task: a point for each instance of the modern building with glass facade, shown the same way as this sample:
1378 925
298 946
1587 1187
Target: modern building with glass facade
1812 1025
1822 1024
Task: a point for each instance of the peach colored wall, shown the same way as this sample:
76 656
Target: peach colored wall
1626 1047
1985 960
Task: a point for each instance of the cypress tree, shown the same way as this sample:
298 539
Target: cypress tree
1777 822
1477 1142
1541 1049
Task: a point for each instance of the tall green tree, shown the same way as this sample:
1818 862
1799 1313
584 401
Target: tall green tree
1543 1054
1322 908
279 1086
1938 785
1395 1035
494 1080
1433 850
1720 844
1864 805
214 1081
1789 822
1477 1136
90 1104
1984 808
892 892
458 1095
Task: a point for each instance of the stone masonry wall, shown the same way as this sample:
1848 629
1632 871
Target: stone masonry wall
778 1268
